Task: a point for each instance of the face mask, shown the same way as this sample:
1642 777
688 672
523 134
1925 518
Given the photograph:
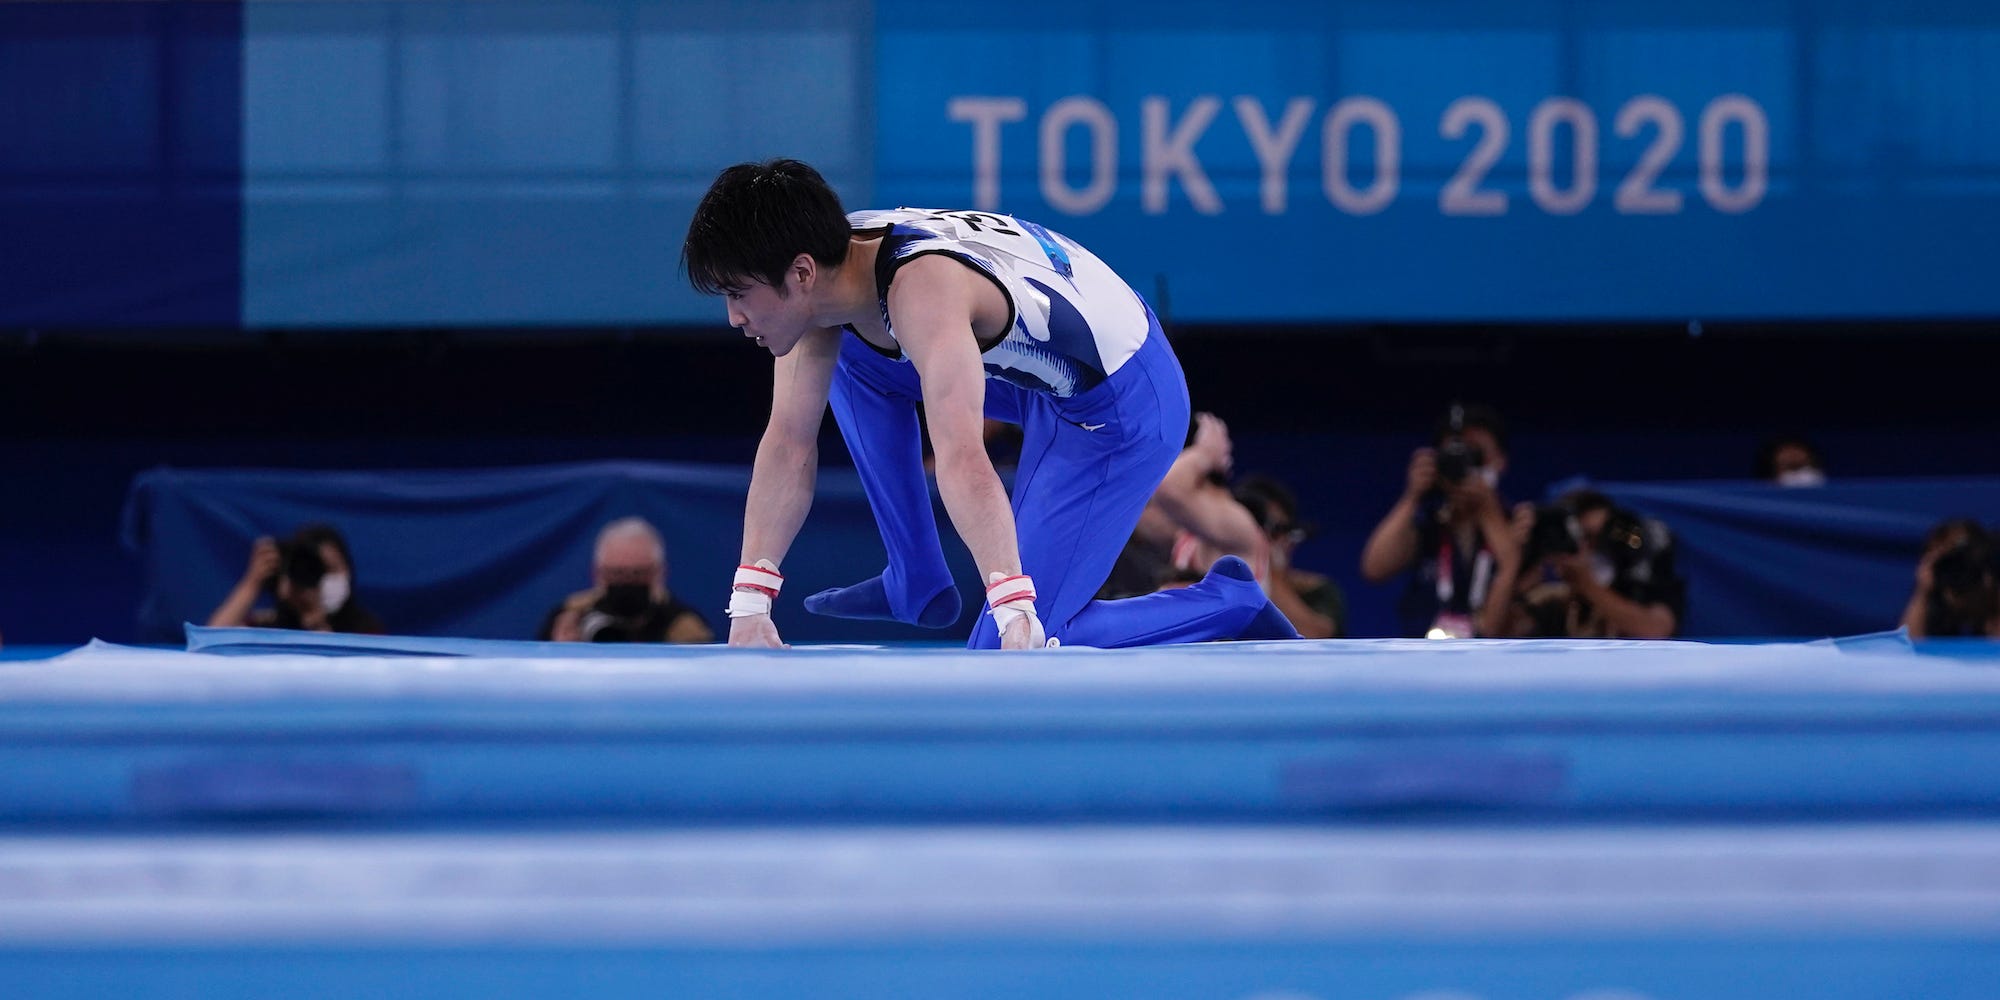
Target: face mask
1490 476
626 600
333 592
1807 476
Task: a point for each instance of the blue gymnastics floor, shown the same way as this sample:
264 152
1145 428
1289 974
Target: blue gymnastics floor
1384 820
1281 732
1678 912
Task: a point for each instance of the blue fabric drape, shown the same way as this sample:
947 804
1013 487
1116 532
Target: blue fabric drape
1762 560
485 553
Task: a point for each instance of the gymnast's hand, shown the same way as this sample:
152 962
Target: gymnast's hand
755 632
1024 633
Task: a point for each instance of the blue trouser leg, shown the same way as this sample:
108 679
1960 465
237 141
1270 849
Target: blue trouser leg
1078 494
874 401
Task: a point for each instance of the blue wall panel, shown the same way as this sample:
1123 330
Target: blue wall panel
1537 161
520 163
119 164
529 162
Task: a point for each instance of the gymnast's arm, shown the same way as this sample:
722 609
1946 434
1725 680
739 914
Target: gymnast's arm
935 300
787 466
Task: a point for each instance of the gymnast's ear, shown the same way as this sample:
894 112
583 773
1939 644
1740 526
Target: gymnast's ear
803 273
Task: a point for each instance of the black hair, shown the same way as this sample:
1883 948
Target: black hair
1458 416
312 536
1583 501
1969 529
1273 504
756 219
1767 454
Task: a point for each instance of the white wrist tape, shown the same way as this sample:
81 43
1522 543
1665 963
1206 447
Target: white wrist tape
1012 598
755 589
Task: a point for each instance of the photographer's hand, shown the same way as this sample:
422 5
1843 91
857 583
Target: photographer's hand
235 609
1211 442
1503 540
1423 473
1523 524
1478 500
312 610
263 563
1392 546
564 628
1626 618
1575 571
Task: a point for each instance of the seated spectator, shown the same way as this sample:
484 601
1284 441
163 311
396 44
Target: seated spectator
1592 569
310 578
1791 461
1312 602
1191 521
1194 518
630 601
1956 593
1450 528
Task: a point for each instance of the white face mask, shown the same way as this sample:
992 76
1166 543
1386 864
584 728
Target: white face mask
333 592
1807 476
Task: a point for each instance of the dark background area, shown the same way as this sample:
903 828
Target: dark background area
1333 411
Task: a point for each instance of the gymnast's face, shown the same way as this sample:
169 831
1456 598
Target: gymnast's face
775 321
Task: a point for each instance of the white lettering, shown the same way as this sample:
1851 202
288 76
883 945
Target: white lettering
1093 115
1274 149
1638 196
1756 153
1341 119
1163 150
1462 195
1542 152
1564 152
986 115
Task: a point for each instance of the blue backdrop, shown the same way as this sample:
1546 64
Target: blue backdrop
388 163
485 554
1765 560
488 554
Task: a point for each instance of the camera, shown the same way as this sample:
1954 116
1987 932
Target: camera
1624 539
596 626
301 564
1456 460
1963 570
1556 532
625 613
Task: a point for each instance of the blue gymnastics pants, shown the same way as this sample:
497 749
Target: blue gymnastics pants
1089 463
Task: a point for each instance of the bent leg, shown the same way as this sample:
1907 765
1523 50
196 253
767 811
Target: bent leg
1228 603
874 401
1078 495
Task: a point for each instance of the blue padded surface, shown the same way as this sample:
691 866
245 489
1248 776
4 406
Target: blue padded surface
1245 731
1841 912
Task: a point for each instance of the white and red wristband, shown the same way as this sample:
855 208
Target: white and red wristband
755 589
1013 598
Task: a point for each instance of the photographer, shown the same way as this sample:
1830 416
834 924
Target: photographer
630 601
1451 526
310 579
1956 593
1596 570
